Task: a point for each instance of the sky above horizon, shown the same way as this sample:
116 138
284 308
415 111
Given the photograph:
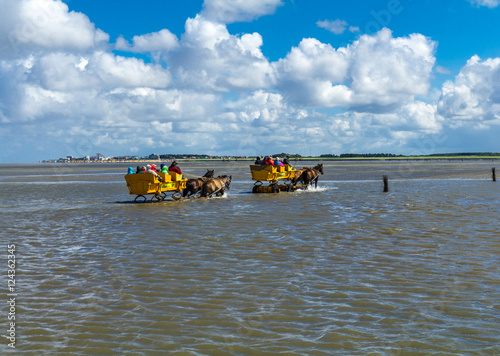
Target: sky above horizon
248 77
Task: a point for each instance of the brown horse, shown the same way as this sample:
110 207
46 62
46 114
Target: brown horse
193 186
308 175
215 186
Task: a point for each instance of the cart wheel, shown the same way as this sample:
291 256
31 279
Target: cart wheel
140 199
156 198
177 196
254 189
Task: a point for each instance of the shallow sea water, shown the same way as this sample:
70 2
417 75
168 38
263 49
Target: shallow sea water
344 269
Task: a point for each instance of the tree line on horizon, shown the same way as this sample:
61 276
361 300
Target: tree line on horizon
377 155
345 155
360 155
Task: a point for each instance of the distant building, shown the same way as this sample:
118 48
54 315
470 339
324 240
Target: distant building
100 157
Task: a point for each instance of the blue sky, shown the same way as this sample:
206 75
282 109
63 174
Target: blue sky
250 77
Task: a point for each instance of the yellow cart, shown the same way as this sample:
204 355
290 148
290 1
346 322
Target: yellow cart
142 184
273 175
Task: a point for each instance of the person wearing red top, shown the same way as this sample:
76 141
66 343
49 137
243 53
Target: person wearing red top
173 168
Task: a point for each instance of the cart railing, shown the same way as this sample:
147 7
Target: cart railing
270 173
148 183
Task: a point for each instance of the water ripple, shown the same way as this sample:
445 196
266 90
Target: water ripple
343 269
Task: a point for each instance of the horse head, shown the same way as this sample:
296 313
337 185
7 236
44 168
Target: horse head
319 168
209 174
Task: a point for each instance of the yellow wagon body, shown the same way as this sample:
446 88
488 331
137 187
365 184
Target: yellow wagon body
142 184
266 173
273 175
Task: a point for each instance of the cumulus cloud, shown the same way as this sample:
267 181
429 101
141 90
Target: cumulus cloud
55 64
406 130
259 108
97 71
229 11
161 41
377 70
63 89
488 3
46 24
474 94
386 70
209 57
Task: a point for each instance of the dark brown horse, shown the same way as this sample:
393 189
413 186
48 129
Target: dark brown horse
215 186
308 175
193 186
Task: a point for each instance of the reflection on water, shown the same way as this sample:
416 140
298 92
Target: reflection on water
343 269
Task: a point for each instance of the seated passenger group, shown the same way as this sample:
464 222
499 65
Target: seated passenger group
269 161
151 168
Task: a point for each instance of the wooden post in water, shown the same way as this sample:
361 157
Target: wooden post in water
386 184
493 174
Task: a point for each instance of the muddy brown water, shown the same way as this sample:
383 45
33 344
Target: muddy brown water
341 270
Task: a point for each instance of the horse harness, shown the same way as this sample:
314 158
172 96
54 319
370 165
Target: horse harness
317 175
225 185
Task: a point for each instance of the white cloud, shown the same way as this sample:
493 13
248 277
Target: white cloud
315 60
209 57
442 70
119 71
386 70
337 27
259 108
67 72
204 33
160 41
403 130
375 70
475 93
488 3
41 101
47 24
216 92
421 117
229 11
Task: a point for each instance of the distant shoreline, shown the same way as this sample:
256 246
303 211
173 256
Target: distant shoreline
339 159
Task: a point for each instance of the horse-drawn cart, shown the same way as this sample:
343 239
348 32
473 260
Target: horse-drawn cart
143 184
273 175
